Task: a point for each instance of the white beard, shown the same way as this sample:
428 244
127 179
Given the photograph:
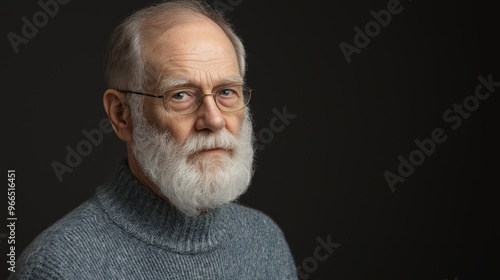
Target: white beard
194 183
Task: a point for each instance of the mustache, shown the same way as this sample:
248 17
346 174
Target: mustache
201 141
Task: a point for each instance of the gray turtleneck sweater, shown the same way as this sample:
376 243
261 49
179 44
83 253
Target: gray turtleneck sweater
127 232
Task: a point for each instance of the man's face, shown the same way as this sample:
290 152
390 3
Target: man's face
198 54
201 160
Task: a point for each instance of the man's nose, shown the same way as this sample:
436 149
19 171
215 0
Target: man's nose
209 115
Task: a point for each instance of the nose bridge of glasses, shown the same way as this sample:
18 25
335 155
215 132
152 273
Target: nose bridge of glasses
202 96
206 94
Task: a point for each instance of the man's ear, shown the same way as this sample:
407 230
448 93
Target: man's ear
116 106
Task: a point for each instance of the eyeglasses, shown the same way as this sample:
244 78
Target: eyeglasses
184 101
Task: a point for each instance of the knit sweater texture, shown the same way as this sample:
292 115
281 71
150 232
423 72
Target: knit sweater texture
125 231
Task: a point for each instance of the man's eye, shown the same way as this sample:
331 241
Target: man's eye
179 95
227 93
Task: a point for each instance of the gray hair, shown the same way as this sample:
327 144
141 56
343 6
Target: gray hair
125 64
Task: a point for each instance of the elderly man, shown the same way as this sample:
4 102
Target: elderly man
177 97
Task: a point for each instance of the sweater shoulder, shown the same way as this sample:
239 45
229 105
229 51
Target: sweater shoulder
44 257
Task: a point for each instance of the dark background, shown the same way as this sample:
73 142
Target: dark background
322 176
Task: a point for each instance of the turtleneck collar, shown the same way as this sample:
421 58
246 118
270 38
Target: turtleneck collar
142 213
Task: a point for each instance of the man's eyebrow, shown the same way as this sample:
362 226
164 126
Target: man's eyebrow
233 79
175 82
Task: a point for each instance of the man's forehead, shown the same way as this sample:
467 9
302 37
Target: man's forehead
188 39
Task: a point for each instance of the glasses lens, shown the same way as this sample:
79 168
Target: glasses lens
233 98
181 101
